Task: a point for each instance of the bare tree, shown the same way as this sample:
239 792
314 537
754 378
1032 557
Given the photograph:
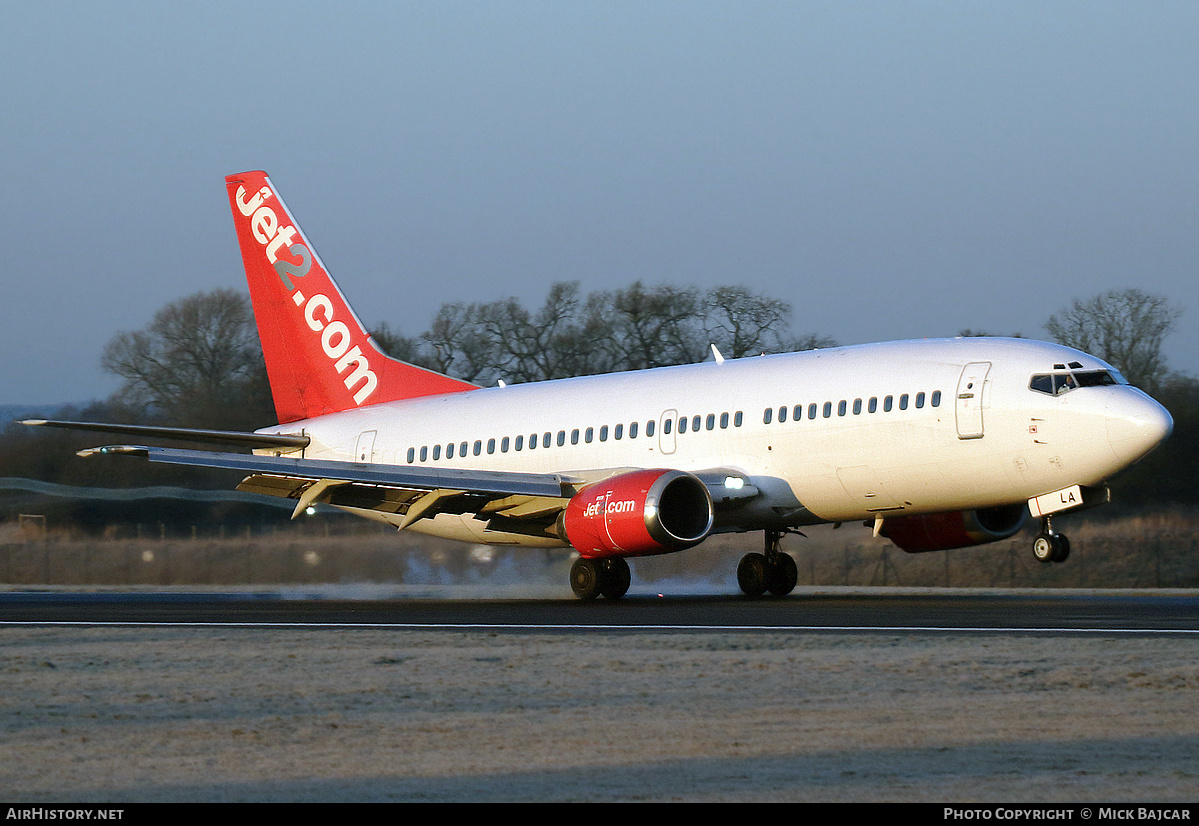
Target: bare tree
656 326
741 323
1125 328
197 362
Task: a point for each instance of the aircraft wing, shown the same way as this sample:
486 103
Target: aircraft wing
524 502
508 501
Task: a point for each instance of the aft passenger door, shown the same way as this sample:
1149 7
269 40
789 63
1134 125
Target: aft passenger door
365 449
970 400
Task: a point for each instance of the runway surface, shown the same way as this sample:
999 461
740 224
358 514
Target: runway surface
1053 612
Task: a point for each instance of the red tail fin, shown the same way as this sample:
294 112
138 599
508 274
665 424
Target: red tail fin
319 357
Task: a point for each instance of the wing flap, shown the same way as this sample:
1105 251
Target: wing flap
404 494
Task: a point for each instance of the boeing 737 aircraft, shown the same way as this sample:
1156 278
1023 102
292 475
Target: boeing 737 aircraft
934 444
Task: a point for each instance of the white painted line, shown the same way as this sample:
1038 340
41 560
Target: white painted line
483 626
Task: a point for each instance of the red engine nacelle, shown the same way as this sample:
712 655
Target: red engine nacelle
639 513
959 529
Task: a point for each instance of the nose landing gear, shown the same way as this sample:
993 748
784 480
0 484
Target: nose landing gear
1050 546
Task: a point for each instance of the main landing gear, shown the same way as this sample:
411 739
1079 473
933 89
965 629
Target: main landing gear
1050 546
772 570
608 577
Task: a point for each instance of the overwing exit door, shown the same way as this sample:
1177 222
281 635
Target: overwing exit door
666 431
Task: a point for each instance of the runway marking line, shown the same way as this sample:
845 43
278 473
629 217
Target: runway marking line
430 626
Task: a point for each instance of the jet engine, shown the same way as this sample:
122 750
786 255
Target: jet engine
639 513
958 529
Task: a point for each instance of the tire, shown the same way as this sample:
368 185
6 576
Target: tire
782 575
751 574
1046 547
1063 550
615 577
585 579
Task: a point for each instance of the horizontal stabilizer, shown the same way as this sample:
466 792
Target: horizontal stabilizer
229 437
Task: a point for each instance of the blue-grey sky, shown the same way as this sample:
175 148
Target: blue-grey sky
894 170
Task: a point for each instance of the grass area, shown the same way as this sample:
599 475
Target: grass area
1135 550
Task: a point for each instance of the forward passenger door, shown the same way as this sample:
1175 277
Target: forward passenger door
970 399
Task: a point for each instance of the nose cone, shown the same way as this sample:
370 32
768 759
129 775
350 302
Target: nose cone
1136 424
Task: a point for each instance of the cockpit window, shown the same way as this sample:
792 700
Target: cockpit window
1098 378
1054 384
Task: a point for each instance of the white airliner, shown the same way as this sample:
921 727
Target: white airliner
934 444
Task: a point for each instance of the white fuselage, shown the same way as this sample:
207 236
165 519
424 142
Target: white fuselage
852 432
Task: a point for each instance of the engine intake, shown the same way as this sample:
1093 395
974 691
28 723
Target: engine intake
957 529
639 513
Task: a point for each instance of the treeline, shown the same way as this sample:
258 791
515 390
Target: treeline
198 364
572 334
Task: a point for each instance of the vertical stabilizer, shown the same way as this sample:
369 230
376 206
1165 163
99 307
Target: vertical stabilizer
319 357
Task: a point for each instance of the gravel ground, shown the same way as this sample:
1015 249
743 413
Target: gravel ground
134 714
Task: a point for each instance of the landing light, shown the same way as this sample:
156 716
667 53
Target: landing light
734 482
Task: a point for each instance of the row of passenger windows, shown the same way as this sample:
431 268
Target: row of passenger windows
843 407
586 435
711 421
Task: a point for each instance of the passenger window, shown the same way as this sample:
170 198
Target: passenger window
618 432
411 455
768 415
812 410
462 449
887 402
919 400
561 438
478 446
710 422
490 446
649 428
436 452
841 408
683 425
936 398
424 453
695 424
545 439
504 445
603 433
857 407
782 414
520 442
667 425
589 435
449 451
737 419
724 421
633 430
903 402
574 436
532 441
873 406
828 409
